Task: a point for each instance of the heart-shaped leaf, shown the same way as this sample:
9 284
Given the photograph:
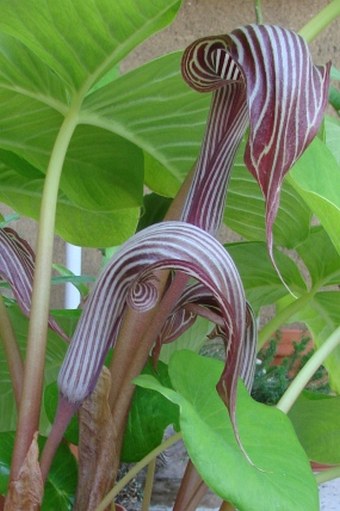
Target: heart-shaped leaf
279 478
316 421
47 70
316 177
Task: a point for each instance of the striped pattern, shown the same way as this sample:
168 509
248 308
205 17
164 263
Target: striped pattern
17 263
286 97
207 66
177 245
17 266
198 300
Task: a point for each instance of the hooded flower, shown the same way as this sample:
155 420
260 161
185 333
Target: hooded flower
262 76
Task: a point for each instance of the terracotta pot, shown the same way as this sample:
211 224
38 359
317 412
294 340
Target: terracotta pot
287 337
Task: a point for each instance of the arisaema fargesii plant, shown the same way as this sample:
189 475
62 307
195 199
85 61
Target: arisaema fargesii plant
92 135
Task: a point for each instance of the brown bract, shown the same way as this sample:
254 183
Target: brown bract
26 492
96 446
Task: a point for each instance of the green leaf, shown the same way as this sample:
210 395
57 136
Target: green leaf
149 415
154 210
316 177
262 283
321 258
280 478
316 421
94 152
48 67
245 211
67 319
335 73
153 108
61 483
55 352
24 195
192 339
81 41
332 136
334 98
322 316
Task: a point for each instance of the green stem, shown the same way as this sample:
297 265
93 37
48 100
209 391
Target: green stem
306 373
12 352
36 343
317 24
258 12
328 475
148 485
283 316
137 468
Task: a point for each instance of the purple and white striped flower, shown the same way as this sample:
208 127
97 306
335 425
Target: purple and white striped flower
170 245
17 263
263 75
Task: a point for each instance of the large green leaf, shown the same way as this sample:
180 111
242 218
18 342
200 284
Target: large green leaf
262 284
322 314
321 258
62 478
156 110
280 478
75 224
332 136
51 56
81 40
316 421
316 177
245 211
55 352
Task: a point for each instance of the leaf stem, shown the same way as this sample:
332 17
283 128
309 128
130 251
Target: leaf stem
36 343
283 316
305 374
324 18
148 485
137 468
258 12
328 475
13 355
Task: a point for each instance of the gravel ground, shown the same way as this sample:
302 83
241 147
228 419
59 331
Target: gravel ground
330 496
